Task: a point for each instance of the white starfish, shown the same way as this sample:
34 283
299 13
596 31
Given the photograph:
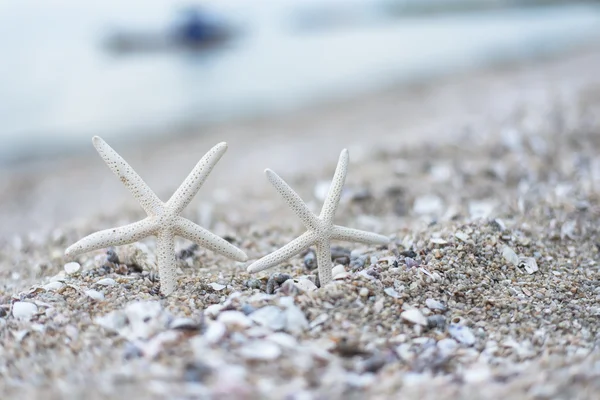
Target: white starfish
320 229
163 219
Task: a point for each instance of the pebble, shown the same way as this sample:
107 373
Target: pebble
217 286
94 295
234 319
310 260
510 256
283 340
462 334
462 236
72 268
378 306
436 321
260 350
295 320
414 316
54 286
363 292
24 310
213 310
529 264
447 346
392 292
269 316
139 320
184 324
435 305
106 282
289 288
306 285
253 283
215 332
338 269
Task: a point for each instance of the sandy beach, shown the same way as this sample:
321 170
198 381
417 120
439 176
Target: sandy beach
487 184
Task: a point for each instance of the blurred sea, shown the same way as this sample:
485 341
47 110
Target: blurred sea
58 86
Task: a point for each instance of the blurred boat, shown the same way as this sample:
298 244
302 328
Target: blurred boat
196 31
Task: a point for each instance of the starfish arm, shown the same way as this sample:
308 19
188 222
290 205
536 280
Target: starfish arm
138 188
190 186
167 263
294 247
191 231
113 237
335 190
324 262
293 200
355 235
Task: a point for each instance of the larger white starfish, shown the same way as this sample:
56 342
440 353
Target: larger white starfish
163 219
320 229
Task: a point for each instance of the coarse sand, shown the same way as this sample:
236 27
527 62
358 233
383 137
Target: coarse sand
488 185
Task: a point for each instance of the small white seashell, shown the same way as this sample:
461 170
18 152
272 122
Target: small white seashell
295 320
184 324
510 256
283 340
94 294
415 316
392 292
139 320
260 350
106 282
435 305
342 276
72 267
269 316
217 286
378 306
234 319
53 286
462 333
462 236
24 310
213 310
215 332
306 285
447 346
529 264
338 269
438 241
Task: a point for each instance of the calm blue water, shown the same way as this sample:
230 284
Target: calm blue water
57 85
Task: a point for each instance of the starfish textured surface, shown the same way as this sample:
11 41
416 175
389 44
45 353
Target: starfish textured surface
320 229
163 219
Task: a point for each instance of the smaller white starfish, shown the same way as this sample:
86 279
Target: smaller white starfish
320 229
163 219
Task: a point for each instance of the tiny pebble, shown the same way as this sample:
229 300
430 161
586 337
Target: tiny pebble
24 310
72 267
106 282
94 295
415 316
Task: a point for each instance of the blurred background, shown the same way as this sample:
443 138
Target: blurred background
154 71
70 70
